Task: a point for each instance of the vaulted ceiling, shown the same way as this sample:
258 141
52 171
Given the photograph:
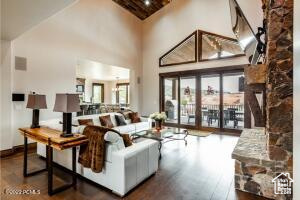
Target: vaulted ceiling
18 16
142 8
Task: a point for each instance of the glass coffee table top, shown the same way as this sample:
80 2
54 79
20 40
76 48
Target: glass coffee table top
165 133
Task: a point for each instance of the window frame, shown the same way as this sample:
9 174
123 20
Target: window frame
102 90
118 94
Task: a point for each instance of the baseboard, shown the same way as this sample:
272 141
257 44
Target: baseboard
17 149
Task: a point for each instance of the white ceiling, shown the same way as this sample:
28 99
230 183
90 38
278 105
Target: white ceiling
98 71
18 16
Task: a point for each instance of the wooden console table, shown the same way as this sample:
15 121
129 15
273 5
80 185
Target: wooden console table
52 139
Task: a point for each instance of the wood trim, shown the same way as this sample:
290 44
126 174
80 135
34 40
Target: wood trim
198 48
119 84
161 98
216 70
127 92
102 90
180 63
198 120
18 149
178 99
234 56
217 35
199 45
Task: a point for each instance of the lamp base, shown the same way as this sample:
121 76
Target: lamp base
35 118
35 126
66 135
67 125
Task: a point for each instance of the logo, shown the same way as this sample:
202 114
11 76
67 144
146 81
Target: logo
283 184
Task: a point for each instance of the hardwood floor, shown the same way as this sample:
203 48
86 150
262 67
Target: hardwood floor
202 170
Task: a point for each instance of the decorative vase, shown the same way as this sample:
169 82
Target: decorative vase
158 125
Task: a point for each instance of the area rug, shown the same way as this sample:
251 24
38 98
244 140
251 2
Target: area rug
199 133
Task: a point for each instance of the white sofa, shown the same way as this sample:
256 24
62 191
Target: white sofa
124 167
130 128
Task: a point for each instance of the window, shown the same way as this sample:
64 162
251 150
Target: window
122 96
98 93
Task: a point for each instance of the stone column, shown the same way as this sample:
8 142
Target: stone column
279 82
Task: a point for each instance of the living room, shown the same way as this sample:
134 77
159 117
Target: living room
170 76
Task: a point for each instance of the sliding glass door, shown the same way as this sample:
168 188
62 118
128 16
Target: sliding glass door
171 99
210 100
207 101
233 101
188 100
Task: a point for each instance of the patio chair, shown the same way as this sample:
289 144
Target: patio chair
230 115
213 115
190 116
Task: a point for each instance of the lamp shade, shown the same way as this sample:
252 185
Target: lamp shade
67 103
36 101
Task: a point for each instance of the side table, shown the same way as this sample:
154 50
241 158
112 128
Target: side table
52 139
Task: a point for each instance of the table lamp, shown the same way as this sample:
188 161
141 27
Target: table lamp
36 102
67 103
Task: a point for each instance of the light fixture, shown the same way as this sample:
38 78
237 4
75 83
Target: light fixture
147 2
117 89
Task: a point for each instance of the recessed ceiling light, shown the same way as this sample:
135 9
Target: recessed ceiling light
147 2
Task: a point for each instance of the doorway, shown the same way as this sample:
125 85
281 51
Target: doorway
208 99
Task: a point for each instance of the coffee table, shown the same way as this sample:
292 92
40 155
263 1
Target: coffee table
165 135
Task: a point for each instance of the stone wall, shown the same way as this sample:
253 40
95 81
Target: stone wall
261 157
254 170
279 82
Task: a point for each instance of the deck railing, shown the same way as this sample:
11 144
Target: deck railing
191 108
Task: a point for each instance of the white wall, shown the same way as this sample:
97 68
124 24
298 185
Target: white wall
21 15
53 48
6 104
172 24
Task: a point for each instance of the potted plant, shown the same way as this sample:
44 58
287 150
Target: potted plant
158 118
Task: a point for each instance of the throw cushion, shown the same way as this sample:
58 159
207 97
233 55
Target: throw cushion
106 121
126 113
85 122
134 117
120 120
115 139
127 140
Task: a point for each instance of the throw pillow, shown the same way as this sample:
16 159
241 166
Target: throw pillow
127 140
85 122
120 120
106 121
125 113
134 117
115 139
